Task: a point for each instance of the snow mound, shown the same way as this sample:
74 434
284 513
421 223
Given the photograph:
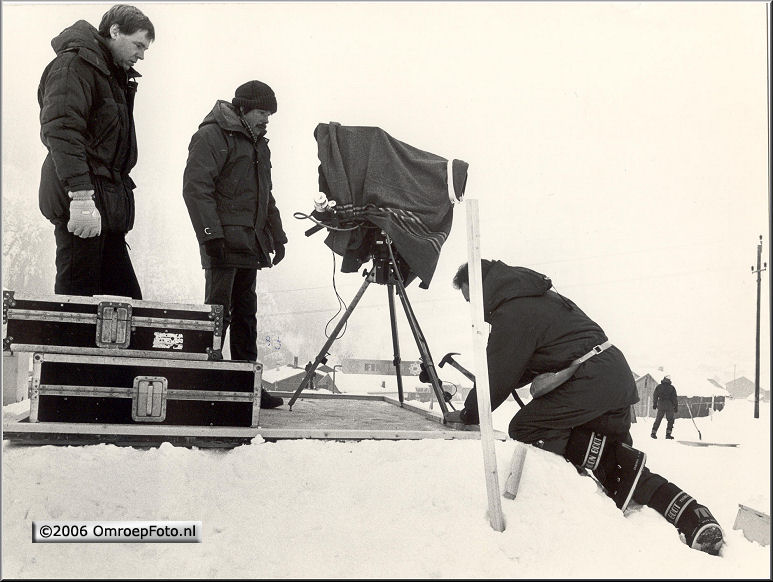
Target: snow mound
373 509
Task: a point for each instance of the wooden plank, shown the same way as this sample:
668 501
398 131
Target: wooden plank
431 415
513 481
354 434
496 518
312 395
18 428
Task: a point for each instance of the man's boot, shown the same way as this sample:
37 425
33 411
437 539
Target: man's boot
693 521
616 465
668 436
269 400
653 435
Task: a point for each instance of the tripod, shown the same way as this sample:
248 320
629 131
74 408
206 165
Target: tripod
385 271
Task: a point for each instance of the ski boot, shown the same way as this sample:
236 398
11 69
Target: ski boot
616 465
696 525
629 463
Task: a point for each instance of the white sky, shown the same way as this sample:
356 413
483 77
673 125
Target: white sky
620 148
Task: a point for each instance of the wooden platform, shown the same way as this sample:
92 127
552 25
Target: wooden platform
314 416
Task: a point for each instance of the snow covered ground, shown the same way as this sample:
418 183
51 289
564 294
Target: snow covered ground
409 509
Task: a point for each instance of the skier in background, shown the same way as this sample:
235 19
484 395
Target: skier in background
665 401
586 418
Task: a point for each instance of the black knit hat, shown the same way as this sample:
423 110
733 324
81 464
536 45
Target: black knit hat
254 95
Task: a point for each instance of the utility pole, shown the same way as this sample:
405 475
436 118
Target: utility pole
757 347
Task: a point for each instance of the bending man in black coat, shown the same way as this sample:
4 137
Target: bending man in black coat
227 189
586 419
665 401
86 98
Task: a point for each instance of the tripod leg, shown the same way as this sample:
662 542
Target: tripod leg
395 340
333 336
421 343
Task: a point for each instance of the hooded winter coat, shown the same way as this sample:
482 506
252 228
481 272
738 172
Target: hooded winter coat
665 396
87 125
227 189
536 330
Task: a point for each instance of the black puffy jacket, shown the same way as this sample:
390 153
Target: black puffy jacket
227 189
86 123
665 396
536 330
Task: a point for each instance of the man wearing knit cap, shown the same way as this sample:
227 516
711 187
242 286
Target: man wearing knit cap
227 189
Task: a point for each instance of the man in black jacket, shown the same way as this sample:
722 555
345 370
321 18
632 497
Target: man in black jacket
227 189
536 332
86 98
665 401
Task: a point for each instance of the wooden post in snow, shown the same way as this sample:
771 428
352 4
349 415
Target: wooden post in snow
496 518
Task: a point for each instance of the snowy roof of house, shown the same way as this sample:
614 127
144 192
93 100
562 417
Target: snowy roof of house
282 373
370 383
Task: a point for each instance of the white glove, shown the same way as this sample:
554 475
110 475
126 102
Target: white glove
85 220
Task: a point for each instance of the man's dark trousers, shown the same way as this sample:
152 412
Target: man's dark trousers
99 265
542 424
234 289
669 414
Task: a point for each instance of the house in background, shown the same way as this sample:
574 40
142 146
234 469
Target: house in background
744 388
645 386
380 367
697 396
377 377
371 383
288 378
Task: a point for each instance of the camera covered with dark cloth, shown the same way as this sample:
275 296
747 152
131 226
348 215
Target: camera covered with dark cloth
382 185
